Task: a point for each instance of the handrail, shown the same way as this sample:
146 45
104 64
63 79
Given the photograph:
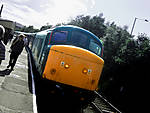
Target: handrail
33 83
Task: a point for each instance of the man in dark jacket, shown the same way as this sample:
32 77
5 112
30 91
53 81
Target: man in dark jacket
2 47
16 49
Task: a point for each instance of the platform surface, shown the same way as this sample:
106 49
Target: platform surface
14 93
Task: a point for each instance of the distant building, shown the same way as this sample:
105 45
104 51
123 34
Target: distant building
18 25
9 28
8 24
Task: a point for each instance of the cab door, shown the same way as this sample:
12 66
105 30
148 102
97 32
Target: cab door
42 54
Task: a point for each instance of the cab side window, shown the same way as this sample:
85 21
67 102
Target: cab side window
35 48
95 47
34 45
38 45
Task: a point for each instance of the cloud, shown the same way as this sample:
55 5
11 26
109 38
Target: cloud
21 13
63 9
19 1
93 3
39 12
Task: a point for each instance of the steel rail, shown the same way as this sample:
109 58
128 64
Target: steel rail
96 107
108 103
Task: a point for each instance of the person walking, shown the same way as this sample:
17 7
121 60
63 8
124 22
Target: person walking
16 49
2 47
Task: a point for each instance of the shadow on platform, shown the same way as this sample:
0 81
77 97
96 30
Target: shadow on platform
5 72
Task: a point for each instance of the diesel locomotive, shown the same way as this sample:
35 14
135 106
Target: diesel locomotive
70 58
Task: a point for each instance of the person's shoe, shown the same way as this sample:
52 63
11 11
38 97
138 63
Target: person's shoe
8 66
12 69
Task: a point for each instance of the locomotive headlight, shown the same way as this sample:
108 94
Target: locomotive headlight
84 71
66 66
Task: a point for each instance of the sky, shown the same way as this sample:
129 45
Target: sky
43 12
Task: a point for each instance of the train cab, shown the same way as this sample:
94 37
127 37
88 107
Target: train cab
69 56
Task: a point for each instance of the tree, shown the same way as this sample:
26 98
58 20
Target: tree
45 27
94 24
29 29
123 57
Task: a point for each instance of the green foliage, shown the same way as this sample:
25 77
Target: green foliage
29 29
45 27
94 24
126 58
119 46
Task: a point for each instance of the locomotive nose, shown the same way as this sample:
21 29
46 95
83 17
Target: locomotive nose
74 66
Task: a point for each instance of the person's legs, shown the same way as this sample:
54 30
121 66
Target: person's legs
0 62
10 60
15 57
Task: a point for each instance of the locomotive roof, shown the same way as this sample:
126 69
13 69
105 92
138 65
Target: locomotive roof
76 27
67 27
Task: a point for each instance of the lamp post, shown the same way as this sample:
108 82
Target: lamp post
1 10
135 22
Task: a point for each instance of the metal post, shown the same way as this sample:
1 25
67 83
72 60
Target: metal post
133 25
1 10
135 22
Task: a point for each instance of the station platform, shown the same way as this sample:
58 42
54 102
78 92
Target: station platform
14 92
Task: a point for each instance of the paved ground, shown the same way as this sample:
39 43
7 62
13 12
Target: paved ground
14 93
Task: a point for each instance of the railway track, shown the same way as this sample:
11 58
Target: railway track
101 105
